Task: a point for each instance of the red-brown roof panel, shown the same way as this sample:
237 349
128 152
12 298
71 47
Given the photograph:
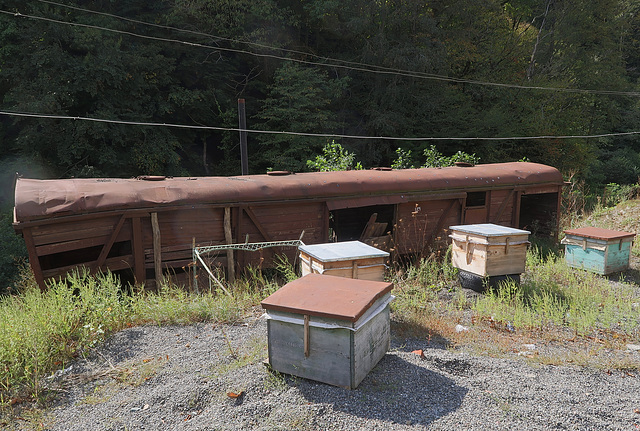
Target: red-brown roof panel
36 199
599 233
327 296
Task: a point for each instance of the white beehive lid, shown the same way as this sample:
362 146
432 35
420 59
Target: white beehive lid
338 251
488 229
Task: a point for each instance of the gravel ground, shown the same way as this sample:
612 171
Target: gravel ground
184 378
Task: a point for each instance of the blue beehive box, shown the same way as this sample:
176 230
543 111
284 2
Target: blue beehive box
598 250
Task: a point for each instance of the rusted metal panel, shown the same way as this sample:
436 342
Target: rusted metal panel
327 296
599 233
45 198
91 221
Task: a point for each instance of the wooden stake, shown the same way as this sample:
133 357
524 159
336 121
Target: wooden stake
231 266
157 244
306 335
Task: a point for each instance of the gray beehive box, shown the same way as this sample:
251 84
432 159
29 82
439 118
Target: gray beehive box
329 329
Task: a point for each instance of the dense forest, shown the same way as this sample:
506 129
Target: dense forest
129 87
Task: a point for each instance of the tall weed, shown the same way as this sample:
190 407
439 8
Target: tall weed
552 293
43 331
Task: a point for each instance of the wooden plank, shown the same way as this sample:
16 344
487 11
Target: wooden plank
257 224
69 232
488 260
347 263
170 255
540 188
370 344
515 220
375 273
306 335
113 264
171 264
157 244
62 247
240 235
440 224
275 211
502 207
289 224
323 231
588 259
369 228
411 230
79 218
138 250
329 359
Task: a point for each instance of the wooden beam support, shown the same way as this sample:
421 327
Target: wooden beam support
106 248
239 231
326 215
157 246
34 260
306 336
368 229
515 220
138 250
228 237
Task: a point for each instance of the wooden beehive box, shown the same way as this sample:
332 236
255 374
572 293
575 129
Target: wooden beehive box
598 250
329 329
350 259
488 249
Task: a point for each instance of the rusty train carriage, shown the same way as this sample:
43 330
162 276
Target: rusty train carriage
137 226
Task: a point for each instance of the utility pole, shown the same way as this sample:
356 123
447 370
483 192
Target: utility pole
244 159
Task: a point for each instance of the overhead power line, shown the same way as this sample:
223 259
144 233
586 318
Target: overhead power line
347 65
321 135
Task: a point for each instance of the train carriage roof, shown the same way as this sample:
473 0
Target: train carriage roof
41 199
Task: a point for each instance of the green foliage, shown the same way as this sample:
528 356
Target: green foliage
419 283
43 331
435 159
51 68
617 193
334 158
13 253
299 100
403 159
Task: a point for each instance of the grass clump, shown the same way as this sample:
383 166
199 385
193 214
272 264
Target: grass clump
427 300
42 331
553 294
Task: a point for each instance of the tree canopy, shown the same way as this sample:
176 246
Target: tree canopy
361 71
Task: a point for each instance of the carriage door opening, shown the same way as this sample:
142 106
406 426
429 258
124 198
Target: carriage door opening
539 213
370 224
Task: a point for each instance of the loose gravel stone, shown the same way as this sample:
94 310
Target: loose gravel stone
212 377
